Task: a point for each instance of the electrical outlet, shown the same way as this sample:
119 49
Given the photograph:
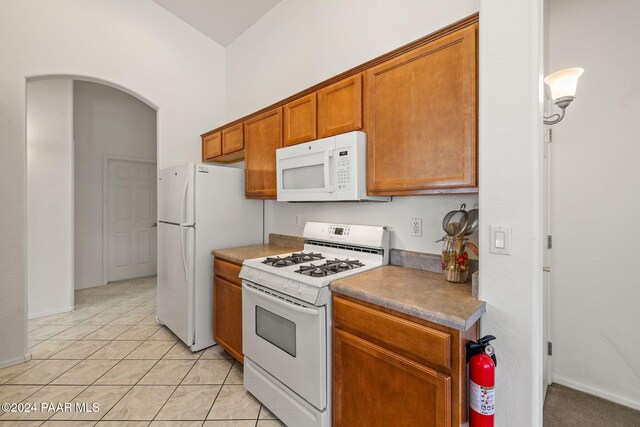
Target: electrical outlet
415 227
297 219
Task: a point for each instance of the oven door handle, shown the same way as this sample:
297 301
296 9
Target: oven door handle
299 309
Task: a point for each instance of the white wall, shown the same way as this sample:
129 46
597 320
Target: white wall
510 190
298 44
595 203
106 121
136 45
50 196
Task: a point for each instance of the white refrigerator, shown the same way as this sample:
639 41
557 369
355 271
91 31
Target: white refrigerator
200 208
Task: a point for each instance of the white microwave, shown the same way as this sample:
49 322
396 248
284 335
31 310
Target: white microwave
331 169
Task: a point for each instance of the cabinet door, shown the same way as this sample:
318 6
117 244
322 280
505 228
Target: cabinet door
373 386
263 135
340 107
211 146
227 312
300 120
421 118
232 139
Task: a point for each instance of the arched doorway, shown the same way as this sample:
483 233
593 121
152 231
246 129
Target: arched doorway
77 127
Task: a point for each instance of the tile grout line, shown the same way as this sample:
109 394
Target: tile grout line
145 318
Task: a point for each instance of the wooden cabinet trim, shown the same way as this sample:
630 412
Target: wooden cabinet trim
465 22
300 127
325 127
232 139
227 270
418 342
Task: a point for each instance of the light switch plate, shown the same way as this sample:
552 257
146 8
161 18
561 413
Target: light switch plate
500 240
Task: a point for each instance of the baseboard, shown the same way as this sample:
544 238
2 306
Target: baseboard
15 361
596 392
51 312
88 285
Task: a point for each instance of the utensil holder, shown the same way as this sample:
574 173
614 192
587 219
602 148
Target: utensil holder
455 260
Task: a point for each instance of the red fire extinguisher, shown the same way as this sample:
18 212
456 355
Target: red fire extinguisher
482 391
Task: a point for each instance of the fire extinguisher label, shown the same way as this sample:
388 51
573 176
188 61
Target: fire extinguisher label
483 399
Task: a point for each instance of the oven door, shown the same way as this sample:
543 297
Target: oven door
288 339
305 172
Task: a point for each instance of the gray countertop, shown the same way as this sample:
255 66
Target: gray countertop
419 293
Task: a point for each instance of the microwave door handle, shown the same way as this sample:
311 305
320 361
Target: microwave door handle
328 175
299 309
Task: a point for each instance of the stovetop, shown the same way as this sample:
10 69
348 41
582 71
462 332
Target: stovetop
281 272
330 267
293 259
331 252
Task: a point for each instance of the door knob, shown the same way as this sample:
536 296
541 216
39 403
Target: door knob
155 224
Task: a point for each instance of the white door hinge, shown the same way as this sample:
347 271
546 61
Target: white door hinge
549 348
548 135
549 241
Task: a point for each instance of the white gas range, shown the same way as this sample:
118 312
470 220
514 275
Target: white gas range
287 318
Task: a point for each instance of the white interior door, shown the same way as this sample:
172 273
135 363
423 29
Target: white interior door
546 279
132 222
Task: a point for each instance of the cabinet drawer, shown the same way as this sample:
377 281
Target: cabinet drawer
227 271
410 339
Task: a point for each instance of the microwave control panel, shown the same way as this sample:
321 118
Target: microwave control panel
343 169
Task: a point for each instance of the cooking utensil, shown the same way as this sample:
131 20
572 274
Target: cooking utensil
473 222
454 223
473 248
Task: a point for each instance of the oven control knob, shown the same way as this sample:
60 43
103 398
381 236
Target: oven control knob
300 289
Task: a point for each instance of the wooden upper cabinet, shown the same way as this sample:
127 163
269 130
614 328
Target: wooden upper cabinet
263 135
211 146
232 139
421 118
340 107
300 120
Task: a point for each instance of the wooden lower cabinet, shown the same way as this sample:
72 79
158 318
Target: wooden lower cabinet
376 387
227 308
379 381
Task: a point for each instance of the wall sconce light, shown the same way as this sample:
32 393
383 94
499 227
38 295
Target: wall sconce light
563 90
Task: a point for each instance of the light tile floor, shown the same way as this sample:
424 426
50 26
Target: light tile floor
110 351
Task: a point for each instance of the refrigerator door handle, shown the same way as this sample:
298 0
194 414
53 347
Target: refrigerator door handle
183 207
184 254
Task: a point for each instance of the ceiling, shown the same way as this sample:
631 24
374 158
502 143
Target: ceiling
221 20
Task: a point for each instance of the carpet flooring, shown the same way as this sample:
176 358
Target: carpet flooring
566 407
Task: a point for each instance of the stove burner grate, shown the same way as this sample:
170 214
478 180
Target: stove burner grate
294 258
329 267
